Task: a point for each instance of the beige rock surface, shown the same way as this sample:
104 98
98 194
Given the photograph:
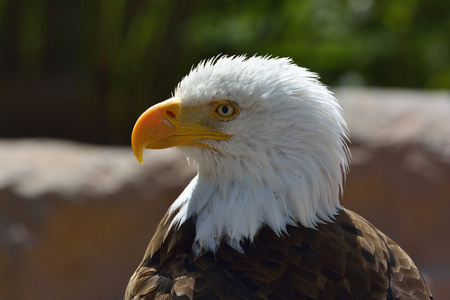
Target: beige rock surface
75 219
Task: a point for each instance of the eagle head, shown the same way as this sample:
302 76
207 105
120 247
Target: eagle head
269 141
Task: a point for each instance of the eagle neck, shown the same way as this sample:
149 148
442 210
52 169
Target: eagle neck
232 206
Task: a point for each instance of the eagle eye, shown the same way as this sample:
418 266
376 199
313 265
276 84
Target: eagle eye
226 111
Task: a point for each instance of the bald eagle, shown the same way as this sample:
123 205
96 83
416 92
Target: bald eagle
262 218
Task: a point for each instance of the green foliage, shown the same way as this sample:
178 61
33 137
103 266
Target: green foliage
109 59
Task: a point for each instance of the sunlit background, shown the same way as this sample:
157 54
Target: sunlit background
75 218
84 69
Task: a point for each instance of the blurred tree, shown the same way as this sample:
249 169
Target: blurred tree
85 69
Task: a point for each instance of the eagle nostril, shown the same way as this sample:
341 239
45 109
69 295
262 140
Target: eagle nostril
170 114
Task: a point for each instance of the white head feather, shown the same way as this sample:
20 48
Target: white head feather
285 162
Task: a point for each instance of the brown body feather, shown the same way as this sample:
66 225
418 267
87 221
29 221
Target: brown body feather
346 259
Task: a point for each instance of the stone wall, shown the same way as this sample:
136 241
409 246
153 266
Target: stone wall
75 219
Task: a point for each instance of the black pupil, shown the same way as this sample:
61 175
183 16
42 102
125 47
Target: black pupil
225 109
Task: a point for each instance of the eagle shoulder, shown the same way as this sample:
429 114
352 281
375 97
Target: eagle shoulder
345 259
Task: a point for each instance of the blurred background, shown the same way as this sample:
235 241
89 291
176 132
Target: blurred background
85 69
75 218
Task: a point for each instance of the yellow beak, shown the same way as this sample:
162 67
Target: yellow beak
161 126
